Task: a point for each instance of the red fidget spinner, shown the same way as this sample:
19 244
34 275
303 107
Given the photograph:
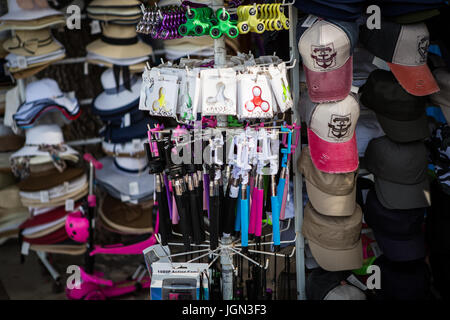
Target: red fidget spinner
257 101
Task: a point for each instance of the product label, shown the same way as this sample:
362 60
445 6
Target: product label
25 248
44 196
69 205
134 188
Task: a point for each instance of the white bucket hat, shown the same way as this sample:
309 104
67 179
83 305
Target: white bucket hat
18 10
37 137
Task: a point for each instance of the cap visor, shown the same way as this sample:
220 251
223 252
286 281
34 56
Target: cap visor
405 131
337 260
331 205
403 196
401 250
416 80
332 85
333 157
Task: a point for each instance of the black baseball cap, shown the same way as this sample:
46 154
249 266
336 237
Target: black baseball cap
328 285
403 280
398 232
400 171
401 115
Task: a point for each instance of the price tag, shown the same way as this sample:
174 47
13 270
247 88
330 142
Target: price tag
309 21
124 198
136 144
86 68
66 186
134 201
354 89
354 281
44 196
133 188
25 248
22 62
95 27
376 249
70 205
126 120
381 64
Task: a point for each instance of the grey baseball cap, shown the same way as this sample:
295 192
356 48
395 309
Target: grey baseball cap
400 171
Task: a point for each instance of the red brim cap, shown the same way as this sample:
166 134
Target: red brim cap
330 86
416 80
333 157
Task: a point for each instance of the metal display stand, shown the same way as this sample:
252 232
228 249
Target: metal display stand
227 247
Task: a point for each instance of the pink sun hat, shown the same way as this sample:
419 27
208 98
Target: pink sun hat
332 137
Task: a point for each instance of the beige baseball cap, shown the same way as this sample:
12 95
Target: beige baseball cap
335 242
330 194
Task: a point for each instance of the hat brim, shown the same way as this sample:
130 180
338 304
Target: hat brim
136 50
111 176
34 24
23 15
332 85
52 47
34 151
403 196
405 131
337 260
73 250
106 104
416 80
50 180
333 157
331 205
401 250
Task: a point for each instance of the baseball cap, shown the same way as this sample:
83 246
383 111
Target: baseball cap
331 135
326 48
401 115
326 285
442 98
403 280
334 241
342 10
405 48
400 171
330 194
398 232
367 128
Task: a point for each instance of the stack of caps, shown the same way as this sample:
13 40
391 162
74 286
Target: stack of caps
124 174
332 222
12 213
45 103
119 44
48 184
123 12
395 208
32 46
346 10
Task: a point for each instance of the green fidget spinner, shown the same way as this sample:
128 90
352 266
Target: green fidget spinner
225 25
199 22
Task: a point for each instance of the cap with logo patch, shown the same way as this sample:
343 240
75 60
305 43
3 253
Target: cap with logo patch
405 49
401 115
326 48
331 135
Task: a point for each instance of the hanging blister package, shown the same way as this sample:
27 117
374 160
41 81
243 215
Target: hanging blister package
280 87
162 99
218 92
254 96
148 84
190 95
